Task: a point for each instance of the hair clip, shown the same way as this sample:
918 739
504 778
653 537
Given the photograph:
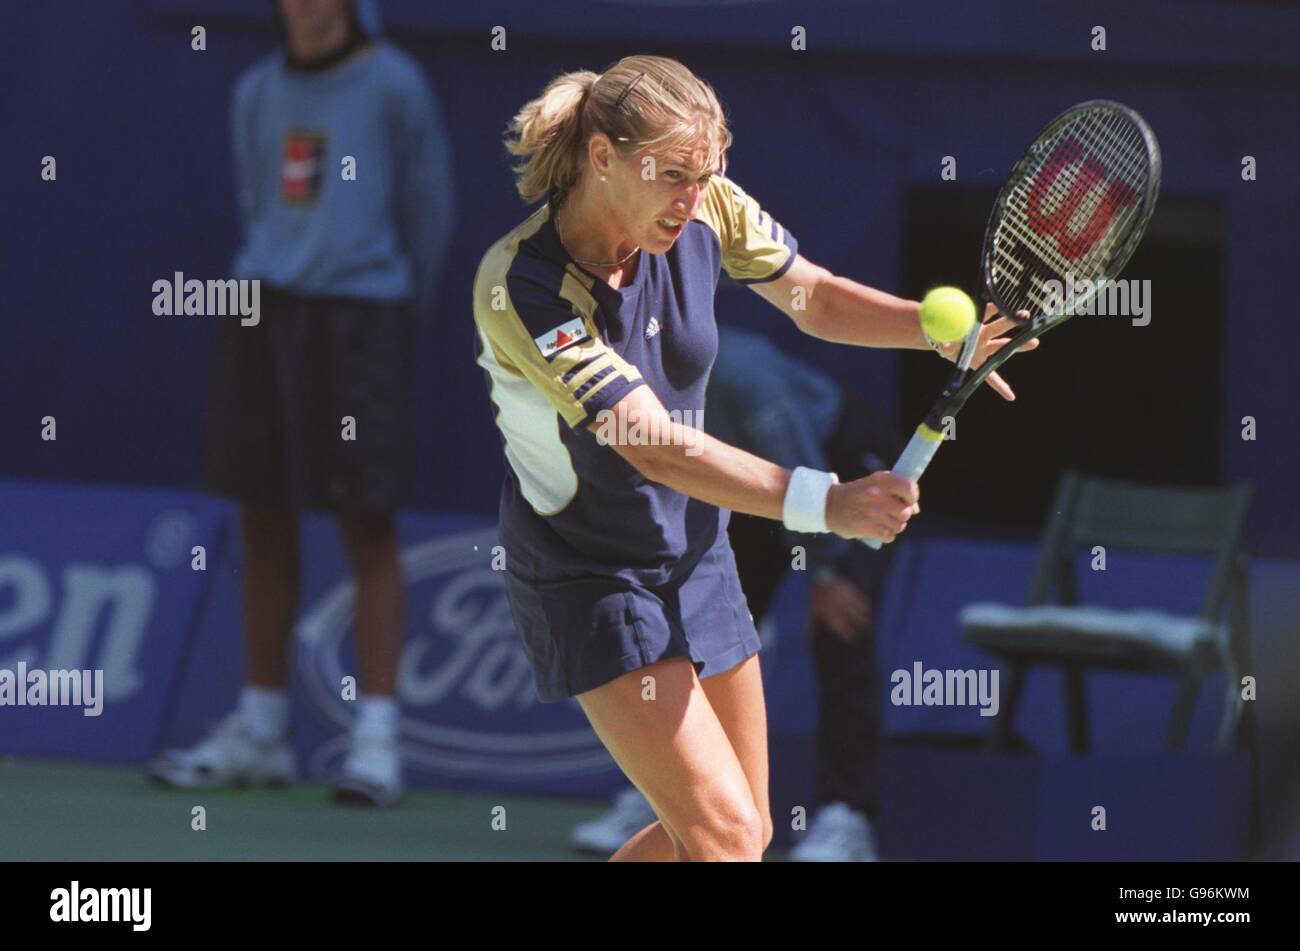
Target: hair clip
624 94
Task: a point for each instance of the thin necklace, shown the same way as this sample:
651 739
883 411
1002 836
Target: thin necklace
590 263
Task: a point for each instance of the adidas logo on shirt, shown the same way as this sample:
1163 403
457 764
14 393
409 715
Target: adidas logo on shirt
651 328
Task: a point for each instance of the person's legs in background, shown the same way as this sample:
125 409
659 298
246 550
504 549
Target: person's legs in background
848 732
844 660
270 586
245 459
367 349
278 443
372 772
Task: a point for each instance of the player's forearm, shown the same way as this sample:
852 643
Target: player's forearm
845 311
696 464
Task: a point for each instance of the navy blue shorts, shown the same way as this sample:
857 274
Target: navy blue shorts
584 632
280 391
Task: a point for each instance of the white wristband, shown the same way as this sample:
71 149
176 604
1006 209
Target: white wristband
804 509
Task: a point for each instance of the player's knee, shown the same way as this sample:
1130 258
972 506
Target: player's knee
733 831
766 819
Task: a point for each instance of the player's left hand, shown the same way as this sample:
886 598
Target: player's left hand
989 342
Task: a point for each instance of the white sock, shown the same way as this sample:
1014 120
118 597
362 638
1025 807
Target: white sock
266 712
376 716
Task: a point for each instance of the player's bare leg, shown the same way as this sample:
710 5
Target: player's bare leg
737 699
675 750
654 843
736 696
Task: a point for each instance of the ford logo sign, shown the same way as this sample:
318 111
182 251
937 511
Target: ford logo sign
469 707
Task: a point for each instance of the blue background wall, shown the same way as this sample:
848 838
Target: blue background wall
828 139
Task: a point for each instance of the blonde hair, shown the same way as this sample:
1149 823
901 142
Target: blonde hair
640 101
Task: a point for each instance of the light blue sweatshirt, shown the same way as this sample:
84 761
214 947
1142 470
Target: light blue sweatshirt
309 230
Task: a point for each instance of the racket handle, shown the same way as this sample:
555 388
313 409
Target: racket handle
912 463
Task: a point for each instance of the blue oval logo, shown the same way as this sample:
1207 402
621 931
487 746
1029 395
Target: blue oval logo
469 707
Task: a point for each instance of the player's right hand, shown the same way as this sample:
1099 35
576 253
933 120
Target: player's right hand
878 506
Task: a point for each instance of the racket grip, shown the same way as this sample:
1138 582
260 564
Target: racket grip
912 463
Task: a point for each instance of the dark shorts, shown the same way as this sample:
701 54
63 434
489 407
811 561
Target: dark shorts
281 388
582 633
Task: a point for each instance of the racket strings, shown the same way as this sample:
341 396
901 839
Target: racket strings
1075 203
1096 164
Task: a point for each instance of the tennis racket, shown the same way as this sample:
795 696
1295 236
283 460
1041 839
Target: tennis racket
1067 220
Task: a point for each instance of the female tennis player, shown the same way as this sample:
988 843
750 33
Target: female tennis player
596 331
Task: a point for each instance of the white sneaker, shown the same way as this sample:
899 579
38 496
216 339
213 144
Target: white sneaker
372 772
606 834
230 756
837 834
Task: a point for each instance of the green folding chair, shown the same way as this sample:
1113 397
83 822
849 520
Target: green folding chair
1075 638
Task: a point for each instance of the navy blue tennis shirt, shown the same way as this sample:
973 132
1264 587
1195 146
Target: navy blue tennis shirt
559 346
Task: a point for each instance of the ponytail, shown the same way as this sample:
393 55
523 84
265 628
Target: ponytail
547 134
640 101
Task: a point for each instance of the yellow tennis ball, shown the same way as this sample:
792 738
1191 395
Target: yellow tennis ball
947 314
